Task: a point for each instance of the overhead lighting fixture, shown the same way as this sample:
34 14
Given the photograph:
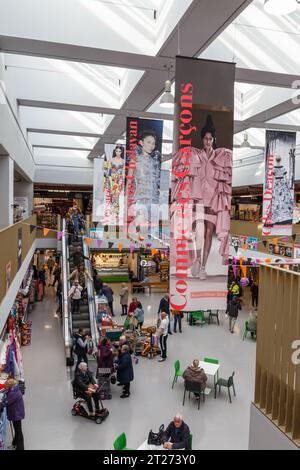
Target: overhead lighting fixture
167 99
245 144
280 7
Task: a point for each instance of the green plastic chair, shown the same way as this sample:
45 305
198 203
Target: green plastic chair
178 372
120 442
247 330
197 316
190 441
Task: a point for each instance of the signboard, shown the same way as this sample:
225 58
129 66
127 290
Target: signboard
201 184
278 197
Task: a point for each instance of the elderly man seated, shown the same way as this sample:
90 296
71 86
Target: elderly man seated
86 387
176 436
195 373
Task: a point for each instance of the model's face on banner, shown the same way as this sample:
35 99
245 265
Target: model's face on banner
118 153
208 141
148 144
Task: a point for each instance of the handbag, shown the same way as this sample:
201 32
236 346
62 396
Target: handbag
155 438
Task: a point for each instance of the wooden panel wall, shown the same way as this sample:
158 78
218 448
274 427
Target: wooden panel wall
9 248
277 387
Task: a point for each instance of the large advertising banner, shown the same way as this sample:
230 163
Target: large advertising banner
98 193
113 184
143 171
278 199
201 184
109 177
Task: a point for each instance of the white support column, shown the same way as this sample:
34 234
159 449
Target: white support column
6 191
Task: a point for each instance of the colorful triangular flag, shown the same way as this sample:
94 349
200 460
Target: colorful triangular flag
99 243
120 247
265 243
46 231
59 234
110 245
88 241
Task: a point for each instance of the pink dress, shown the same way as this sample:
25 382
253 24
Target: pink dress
210 181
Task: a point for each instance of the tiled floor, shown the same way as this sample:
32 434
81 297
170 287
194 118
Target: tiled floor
218 425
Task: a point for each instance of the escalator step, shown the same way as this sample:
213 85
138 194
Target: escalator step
81 324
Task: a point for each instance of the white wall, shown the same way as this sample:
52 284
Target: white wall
10 135
264 435
64 175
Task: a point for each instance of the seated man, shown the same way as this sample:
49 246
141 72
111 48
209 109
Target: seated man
252 325
194 373
85 386
176 436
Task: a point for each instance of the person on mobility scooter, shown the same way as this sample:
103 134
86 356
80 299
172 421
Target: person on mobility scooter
85 387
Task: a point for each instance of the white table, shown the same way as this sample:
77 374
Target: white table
209 369
145 446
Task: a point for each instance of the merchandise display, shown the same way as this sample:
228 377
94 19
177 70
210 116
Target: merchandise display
111 267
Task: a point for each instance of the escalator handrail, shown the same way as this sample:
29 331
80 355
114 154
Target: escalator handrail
91 297
67 318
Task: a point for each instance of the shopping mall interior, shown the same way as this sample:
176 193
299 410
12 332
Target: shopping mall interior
149 225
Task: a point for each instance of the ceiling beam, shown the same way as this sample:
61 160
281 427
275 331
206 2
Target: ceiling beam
57 147
240 126
62 132
260 77
87 55
92 109
271 113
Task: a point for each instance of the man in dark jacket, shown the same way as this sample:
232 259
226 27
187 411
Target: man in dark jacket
254 293
195 373
164 306
176 436
109 294
85 386
15 411
81 346
98 285
233 308
125 371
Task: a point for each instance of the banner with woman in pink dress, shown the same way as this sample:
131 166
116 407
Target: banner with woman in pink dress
201 184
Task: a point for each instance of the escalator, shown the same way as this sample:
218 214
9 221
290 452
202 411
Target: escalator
82 318
86 317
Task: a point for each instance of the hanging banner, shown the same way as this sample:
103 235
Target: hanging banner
98 193
278 198
253 243
143 171
20 236
201 184
113 184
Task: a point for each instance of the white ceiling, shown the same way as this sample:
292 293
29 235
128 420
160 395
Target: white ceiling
76 68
